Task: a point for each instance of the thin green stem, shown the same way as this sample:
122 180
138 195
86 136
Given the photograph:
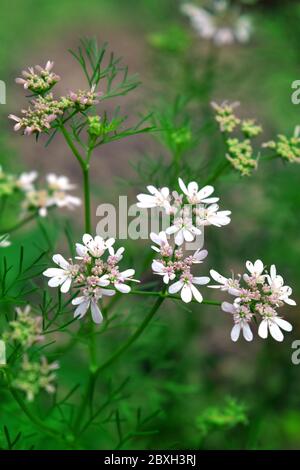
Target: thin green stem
18 225
72 146
134 337
87 198
169 296
93 376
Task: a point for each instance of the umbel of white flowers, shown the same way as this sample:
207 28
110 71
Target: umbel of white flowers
189 210
223 24
258 295
95 273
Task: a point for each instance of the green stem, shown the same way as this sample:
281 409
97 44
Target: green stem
134 337
72 146
169 296
37 422
218 171
19 224
93 376
87 198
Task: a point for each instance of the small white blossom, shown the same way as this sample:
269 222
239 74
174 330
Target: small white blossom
241 317
225 284
93 246
156 198
63 275
164 270
223 25
183 229
212 216
161 240
276 283
196 196
25 180
273 324
256 270
187 288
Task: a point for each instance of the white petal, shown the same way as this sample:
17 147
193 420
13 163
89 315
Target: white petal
128 273
66 285
78 300
60 260
235 332
179 239
121 287
87 239
175 287
285 325
182 186
186 293
188 236
108 292
53 272
81 250
82 309
227 307
275 331
56 281
218 277
96 313
258 266
196 294
263 329
205 192
249 266
202 280
247 333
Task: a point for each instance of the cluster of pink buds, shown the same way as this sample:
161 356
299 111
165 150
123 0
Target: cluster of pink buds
258 296
174 266
95 273
84 98
39 79
40 115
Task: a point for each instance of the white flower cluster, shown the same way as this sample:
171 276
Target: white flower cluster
258 294
223 25
54 195
190 210
94 276
174 266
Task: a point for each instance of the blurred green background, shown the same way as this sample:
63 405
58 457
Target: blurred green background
202 390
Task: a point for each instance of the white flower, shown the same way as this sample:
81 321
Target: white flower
276 283
163 270
273 324
183 229
223 26
25 181
4 241
255 270
93 246
59 183
212 216
156 198
61 276
196 196
62 199
201 20
161 240
118 279
241 317
90 299
187 288
116 255
229 285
